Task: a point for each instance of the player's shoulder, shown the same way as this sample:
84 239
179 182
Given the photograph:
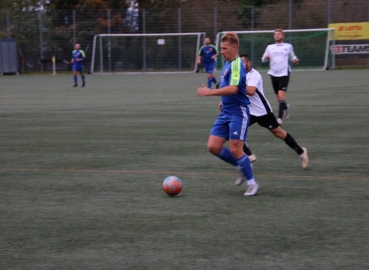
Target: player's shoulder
254 74
286 44
237 63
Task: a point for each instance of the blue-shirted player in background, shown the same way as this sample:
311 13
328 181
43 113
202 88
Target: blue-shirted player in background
208 53
78 56
234 118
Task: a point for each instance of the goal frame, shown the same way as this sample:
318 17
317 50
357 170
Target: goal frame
100 36
331 37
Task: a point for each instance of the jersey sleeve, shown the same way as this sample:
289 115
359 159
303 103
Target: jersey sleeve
235 72
292 54
265 53
200 51
216 50
83 54
252 80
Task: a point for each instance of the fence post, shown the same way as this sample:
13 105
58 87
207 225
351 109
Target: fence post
109 42
290 20
101 56
144 38
179 41
290 15
215 23
74 27
252 35
41 53
7 23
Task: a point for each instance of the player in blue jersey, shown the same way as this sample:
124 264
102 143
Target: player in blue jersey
234 118
78 56
208 53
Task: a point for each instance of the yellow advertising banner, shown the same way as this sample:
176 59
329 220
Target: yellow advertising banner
351 31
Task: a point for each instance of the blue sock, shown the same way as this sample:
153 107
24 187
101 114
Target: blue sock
75 79
83 78
226 155
210 80
244 165
214 80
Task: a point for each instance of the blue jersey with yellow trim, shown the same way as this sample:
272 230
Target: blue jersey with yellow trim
78 54
207 52
234 73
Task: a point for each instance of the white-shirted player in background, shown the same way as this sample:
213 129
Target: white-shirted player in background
279 56
261 112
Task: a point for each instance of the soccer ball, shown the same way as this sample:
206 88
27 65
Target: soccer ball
172 185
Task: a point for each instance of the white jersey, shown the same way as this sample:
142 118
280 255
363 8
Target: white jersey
280 56
259 105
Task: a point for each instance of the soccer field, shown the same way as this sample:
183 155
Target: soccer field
81 171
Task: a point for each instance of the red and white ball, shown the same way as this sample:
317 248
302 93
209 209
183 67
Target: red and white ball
172 185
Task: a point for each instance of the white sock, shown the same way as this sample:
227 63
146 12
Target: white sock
251 182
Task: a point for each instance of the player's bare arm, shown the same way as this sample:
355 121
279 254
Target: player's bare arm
266 56
225 91
250 90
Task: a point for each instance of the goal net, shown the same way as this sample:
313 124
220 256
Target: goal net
311 46
137 53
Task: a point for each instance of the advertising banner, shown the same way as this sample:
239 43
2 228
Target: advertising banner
351 39
351 31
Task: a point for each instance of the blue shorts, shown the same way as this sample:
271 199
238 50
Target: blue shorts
209 67
78 68
231 127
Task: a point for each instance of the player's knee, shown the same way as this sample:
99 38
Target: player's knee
279 133
214 148
281 95
237 152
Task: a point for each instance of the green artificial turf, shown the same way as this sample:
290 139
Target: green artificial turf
81 171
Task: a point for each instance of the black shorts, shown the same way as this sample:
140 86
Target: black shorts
280 83
268 121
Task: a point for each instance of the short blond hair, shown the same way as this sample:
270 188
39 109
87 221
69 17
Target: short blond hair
279 30
231 37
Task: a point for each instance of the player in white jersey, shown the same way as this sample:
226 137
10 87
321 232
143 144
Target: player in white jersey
261 112
280 55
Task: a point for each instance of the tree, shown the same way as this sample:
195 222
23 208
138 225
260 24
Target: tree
6 4
23 5
88 4
63 4
148 4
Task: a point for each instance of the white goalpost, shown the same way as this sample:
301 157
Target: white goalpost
146 53
312 46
